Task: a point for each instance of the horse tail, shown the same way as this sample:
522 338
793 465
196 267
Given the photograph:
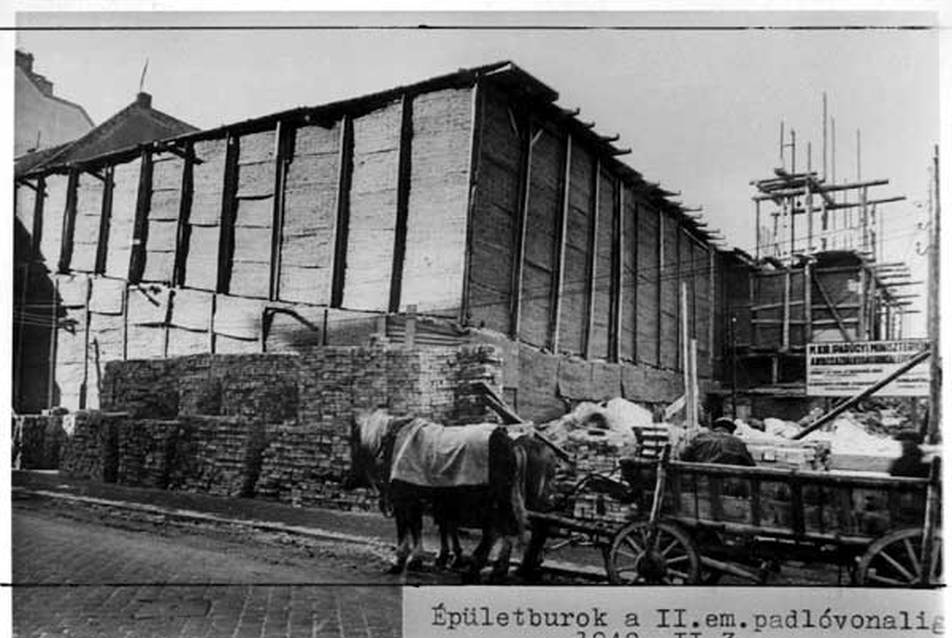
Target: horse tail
505 489
517 498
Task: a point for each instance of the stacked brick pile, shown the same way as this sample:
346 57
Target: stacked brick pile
91 449
277 425
37 441
146 448
217 455
475 364
143 388
304 466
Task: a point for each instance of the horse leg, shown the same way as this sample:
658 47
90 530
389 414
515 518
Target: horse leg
458 558
441 517
403 547
443 558
416 531
481 554
501 566
532 557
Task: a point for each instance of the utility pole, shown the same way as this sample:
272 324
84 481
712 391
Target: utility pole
935 363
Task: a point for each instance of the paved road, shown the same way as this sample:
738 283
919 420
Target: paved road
75 576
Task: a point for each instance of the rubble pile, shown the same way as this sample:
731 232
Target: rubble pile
220 456
146 451
91 449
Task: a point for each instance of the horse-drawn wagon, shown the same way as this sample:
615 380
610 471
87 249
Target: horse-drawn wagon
691 523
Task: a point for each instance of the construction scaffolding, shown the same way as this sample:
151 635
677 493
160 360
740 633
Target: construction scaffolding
818 273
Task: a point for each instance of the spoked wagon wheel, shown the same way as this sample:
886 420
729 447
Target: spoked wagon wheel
671 560
895 560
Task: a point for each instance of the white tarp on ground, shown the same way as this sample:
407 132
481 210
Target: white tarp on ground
612 422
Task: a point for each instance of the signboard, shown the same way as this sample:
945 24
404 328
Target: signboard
844 369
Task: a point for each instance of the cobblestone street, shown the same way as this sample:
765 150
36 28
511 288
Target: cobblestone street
75 576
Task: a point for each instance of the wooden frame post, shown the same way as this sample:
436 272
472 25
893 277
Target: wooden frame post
682 308
229 209
282 140
105 222
616 295
807 302
475 151
183 230
519 238
84 386
683 337
711 285
593 257
660 279
403 199
54 331
140 232
125 323
37 229
785 335
69 222
757 232
345 168
636 211
562 226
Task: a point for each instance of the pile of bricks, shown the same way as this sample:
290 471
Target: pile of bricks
91 449
37 441
277 425
146 448
217 455
143 388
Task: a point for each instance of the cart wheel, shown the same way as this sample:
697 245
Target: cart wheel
673 560
895 560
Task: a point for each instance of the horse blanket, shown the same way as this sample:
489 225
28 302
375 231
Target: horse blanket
431 455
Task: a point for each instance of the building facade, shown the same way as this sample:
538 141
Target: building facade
464 208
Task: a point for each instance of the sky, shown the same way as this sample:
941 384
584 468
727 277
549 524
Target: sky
699 107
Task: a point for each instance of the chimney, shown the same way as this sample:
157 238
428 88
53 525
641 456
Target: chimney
24 60
144 100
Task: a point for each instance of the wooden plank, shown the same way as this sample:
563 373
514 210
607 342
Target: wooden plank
229 210
373 205
438 202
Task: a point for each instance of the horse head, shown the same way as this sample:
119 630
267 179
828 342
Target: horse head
537 473
365 439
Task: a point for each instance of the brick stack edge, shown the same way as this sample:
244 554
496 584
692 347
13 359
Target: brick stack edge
272 426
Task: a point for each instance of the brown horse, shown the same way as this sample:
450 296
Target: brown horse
536 464
377 441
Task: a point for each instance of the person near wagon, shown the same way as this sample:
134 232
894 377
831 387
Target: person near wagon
718 444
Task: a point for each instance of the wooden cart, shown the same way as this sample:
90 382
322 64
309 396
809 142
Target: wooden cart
696 522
